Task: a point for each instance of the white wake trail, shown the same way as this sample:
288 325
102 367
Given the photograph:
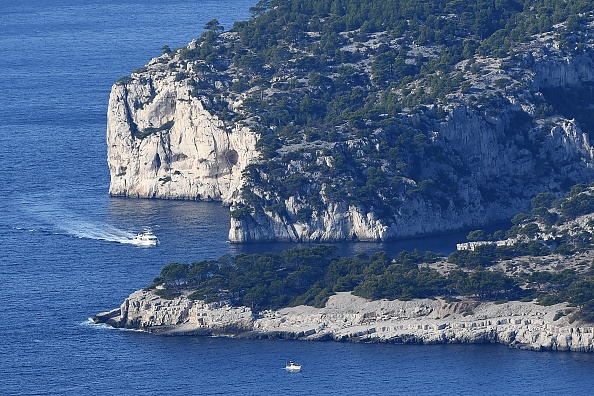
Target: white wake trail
98 231
52 218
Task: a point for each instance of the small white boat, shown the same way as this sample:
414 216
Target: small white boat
292 366
146 238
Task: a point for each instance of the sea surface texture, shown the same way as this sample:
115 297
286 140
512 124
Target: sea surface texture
65 251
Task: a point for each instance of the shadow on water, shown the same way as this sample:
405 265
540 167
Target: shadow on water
208 222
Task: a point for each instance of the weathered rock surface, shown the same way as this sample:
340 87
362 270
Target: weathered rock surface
346 317
162 143
499 169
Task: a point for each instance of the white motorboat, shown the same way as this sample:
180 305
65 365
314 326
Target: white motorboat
146 238
292 366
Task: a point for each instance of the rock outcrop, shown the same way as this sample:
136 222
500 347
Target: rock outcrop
162 143
346 317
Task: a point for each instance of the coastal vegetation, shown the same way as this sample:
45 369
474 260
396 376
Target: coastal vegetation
348 98
527 266
309 275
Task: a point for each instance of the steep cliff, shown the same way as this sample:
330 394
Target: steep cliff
349 318
162 143
384 143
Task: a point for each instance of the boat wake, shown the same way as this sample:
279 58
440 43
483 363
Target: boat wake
52 219
97 231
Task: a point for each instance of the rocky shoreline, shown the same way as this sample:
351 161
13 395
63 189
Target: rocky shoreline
522 325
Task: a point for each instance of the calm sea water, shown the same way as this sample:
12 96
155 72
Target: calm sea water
63 255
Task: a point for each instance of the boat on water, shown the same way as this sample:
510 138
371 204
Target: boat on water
292 366
146 238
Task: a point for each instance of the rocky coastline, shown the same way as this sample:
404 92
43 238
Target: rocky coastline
521 325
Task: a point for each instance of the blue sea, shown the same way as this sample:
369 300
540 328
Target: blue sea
64 254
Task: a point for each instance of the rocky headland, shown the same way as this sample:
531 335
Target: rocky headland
523 325
484 292
162 143
196 123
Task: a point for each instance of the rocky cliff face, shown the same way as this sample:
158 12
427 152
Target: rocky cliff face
349 318
162 143
496 148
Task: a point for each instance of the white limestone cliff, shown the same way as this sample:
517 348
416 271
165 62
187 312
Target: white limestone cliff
345 317
188 153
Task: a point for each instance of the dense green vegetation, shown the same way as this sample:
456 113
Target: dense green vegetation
548 221
317 41
345 95
541 232
309 275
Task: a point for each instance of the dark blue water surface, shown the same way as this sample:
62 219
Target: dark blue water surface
63 255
